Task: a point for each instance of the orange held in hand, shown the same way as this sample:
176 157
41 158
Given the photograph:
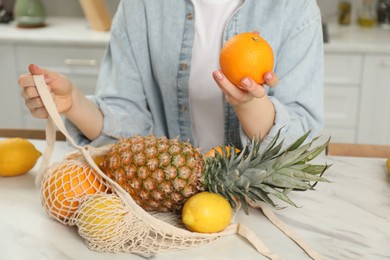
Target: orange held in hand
246 55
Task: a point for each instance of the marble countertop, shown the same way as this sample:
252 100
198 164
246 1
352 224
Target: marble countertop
58 30
346 219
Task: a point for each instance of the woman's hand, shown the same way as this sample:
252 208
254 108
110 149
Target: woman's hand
253 108
60 87
250 89
70 102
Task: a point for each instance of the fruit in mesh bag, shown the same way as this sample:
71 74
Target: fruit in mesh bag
65 184
161 174
246 55
206 212
99 217
17 156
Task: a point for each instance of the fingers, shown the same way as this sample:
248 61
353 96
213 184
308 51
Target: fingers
251 86
235 95
26 80
248 90
228 88
271 79
39 113
35 70
30 94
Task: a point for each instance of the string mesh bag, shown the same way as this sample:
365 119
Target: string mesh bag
76 192
64 186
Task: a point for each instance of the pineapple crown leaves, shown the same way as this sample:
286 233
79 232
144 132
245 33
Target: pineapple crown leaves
254 175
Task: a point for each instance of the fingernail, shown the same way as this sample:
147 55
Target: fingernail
246 82
269 76
47 79
218 75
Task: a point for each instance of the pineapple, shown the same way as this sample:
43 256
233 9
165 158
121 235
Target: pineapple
161 174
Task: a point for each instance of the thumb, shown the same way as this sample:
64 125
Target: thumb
35 70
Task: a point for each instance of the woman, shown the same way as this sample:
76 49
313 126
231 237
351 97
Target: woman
160 75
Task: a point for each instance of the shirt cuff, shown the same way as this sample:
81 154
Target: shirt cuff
109 133
282 122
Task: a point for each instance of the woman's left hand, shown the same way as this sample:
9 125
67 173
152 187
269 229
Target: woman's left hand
249 88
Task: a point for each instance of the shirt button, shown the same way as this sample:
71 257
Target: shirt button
189 16
183 66
182 108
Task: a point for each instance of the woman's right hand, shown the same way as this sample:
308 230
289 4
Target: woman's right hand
60 87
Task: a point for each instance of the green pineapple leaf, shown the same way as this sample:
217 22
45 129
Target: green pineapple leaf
256 175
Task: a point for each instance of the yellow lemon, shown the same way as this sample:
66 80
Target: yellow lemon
17 156
99 216
388 165
206 212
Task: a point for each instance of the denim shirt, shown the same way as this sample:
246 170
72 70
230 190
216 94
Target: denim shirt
143 81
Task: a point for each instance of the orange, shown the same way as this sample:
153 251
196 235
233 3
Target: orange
246 55
66 185
218 149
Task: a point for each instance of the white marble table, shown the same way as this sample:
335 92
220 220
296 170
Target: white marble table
346 219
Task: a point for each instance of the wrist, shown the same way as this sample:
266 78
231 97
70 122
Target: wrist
256 116
74 102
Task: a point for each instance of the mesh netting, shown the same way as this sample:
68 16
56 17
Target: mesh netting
76 192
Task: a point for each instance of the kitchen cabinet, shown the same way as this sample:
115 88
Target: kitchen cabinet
66 45
356 92
356 97
342 79
374 124
80 63
10 109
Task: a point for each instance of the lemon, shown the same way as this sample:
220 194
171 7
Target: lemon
206 212
17 156
388 165
99 216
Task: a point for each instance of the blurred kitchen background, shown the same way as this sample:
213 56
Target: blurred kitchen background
71 36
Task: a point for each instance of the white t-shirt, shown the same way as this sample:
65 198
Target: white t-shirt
206 98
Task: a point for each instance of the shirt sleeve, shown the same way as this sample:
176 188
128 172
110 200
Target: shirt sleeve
120 93
298 97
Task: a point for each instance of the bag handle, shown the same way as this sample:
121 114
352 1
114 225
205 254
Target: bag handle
55 121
